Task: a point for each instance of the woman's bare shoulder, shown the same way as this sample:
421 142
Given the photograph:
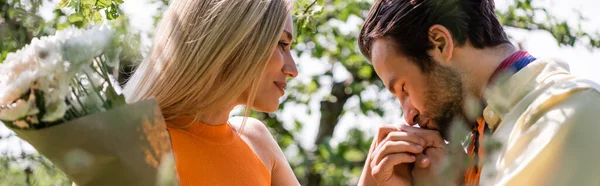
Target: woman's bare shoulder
258 138
257 134
252 128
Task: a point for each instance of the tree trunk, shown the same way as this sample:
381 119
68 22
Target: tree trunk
330 114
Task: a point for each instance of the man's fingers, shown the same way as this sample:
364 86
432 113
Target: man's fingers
432 137
386 166
391 147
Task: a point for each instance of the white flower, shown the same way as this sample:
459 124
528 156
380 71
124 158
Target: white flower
47 65
17 73
15 85
55 111
112 56
18 110
85 45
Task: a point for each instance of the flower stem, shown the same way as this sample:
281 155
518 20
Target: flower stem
79 101
97 66
104 102
104 71
73 113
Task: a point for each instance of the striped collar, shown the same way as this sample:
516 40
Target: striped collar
513 64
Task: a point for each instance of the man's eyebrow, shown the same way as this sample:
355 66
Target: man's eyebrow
392 85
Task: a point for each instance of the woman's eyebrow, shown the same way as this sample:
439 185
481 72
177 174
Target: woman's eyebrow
288 34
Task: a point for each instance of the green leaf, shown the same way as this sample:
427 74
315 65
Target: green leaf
11 13
297 125
3 56
76 17
114 98
354 155
104 3
312 87
62 26
286 141
88 2
356 87
325 151
97 17
63 3
365 72
112 12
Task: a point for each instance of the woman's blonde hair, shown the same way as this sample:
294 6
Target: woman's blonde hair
206 53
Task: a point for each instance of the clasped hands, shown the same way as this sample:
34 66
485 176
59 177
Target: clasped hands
406 155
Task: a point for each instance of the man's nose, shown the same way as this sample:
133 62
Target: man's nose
410 112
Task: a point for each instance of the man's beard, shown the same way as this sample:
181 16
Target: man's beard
444 98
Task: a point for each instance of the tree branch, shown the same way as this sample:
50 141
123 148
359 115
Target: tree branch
309 6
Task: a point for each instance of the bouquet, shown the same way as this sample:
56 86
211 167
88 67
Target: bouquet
58 94
59 78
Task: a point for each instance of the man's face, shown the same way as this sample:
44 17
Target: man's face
430 99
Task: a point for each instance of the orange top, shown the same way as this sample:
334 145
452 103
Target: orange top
215 155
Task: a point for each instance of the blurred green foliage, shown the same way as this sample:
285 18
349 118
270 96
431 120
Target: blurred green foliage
319 35
30 169
522 15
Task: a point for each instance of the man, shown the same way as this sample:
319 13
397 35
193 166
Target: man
443 59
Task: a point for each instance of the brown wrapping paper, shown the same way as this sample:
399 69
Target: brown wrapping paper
123 146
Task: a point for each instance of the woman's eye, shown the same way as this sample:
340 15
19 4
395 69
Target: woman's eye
283 45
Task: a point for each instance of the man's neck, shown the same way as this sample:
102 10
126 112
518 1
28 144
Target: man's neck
480 64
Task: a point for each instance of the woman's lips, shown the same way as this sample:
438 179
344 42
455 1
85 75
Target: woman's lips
281 86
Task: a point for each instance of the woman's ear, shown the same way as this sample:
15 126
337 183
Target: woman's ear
443 44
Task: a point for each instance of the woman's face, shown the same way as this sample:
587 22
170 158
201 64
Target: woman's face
281 65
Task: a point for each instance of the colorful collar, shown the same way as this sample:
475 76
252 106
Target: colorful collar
513 63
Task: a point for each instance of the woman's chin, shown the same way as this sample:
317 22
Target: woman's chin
266 107
266 110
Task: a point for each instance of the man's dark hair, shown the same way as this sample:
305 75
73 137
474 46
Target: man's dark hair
407 23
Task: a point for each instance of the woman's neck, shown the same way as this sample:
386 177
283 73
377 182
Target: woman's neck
216 117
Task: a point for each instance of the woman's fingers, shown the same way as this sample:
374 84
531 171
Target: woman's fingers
397 142
385 168
405 136
422 160
432 137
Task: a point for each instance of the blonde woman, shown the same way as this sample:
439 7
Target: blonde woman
210 56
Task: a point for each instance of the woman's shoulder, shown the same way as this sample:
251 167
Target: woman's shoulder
257 134
258 138
252 128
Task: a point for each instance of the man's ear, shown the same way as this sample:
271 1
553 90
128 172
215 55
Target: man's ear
443 44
